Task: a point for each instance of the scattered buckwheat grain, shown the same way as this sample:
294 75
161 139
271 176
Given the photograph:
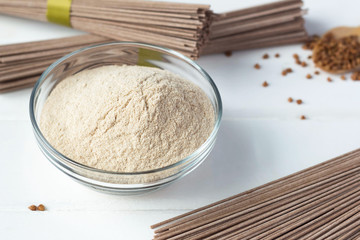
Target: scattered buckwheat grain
32 208
41 207
303 64
228 53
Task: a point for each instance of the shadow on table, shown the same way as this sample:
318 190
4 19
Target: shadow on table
230 169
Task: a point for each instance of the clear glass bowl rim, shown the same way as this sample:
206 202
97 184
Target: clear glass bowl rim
138 45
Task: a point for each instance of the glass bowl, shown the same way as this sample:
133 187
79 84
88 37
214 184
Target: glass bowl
119 53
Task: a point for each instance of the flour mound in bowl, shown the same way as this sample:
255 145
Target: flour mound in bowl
126 118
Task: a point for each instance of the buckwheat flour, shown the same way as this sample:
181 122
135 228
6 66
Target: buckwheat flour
126 118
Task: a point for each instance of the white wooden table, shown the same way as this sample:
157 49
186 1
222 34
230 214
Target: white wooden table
261 139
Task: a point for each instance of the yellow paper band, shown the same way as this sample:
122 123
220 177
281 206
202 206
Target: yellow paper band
58 11
146 55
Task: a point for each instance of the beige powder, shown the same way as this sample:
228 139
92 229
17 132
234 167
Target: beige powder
126 118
